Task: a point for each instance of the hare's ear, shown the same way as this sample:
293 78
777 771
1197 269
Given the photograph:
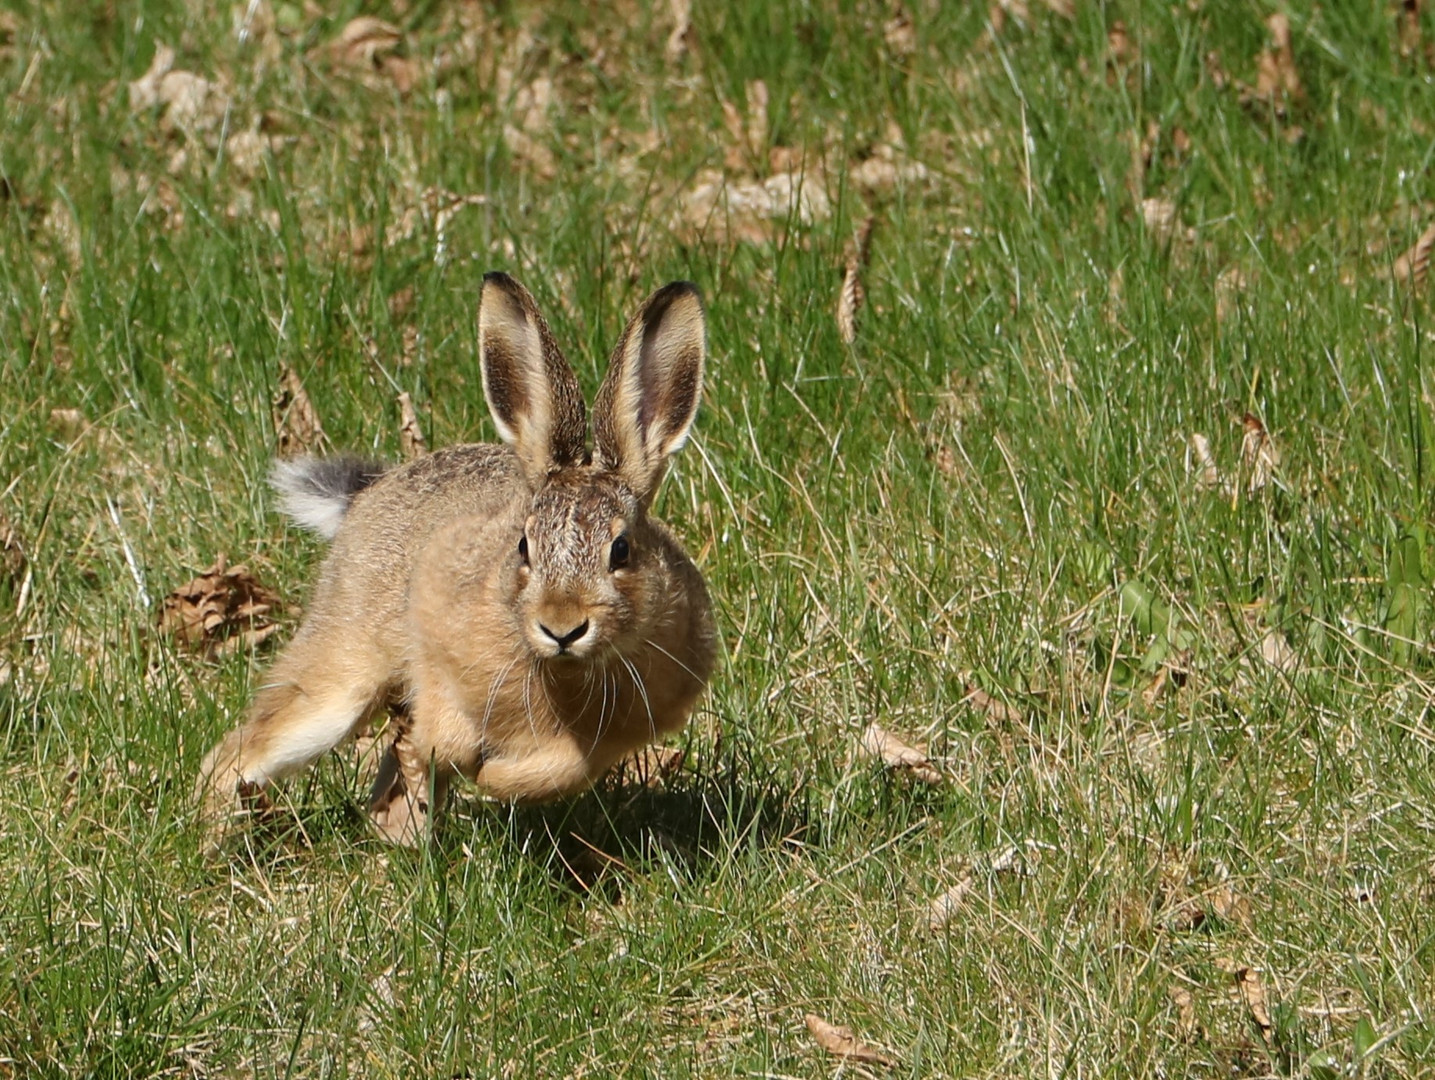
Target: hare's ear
531 391
647 403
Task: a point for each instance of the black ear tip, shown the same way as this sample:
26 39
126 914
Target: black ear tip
683 288
515 297
668 295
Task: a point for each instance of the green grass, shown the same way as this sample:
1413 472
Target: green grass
990 488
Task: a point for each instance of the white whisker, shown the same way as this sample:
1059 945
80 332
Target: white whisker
674 659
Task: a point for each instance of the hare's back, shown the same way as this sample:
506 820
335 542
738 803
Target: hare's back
388 523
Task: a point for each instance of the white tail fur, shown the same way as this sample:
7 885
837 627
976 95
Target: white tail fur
316 492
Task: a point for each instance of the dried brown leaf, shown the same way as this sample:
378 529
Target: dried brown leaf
849 302
949 903
1231 286
1019 859
853 295
248 152
1276 69
747 129
370 48
899 33
364 41
946 460
750 211
69 424
1259 456
145 91
1158 684
1252 991
996 710
60 224
1410 33
756 93
12 551
1118 40
887 165
190 102
680 40
401 303
221 603
411 436
1414 265
1215 72
1188 1027
1232 906
1200 461
295 421
1160 218
1276 651
896 754
842 1042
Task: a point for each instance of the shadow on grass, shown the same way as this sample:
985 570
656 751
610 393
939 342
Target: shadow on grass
686 822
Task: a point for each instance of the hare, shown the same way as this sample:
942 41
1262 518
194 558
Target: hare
537 623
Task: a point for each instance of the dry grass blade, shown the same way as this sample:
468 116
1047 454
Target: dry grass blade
842 1042
411 436
896 754
652 766
222 609
295 421
941 910
853 295
1414 265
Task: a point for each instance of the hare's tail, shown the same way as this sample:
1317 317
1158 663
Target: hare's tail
316 492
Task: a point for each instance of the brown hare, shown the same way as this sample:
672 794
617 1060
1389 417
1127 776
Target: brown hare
536 622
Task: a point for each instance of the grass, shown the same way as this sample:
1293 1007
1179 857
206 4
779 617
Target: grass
1180 857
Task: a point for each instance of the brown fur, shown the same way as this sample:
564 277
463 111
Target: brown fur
529 675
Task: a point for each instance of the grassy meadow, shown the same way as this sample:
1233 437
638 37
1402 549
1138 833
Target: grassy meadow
1112 501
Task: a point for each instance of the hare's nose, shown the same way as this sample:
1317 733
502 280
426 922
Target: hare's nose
564 640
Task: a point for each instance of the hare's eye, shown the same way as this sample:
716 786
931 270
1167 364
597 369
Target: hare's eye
523 548
618 554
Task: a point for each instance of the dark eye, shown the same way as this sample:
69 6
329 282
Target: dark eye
618 554
523 548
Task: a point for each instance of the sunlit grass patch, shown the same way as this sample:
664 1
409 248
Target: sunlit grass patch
1111 501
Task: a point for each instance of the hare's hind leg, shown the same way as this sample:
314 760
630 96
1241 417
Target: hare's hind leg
438 744
313 698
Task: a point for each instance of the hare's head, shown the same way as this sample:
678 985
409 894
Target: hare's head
588 573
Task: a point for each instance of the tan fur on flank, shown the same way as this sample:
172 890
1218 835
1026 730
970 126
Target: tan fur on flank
538 623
